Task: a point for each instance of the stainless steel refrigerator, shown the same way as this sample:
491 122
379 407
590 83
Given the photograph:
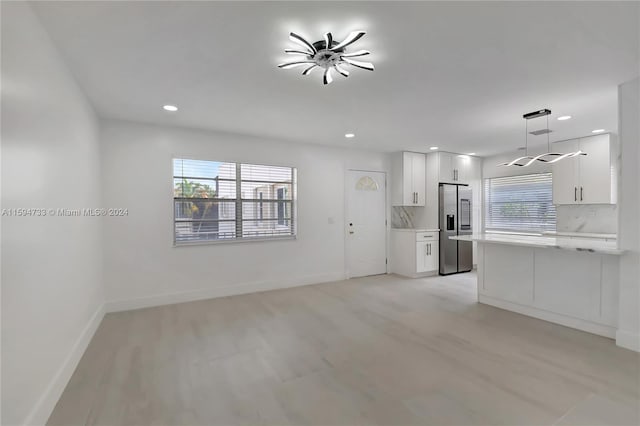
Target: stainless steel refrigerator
455 219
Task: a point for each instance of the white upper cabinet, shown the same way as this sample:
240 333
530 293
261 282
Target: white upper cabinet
408 179
456 168
565 174
447 167
586 179
596 171
418 168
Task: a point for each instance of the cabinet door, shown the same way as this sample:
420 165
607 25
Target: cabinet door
565 175
595 170
446 165
426 256
408 196
422 250
431 263
463 168
418 177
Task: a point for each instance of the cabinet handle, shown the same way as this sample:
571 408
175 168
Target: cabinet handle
580 193
575 193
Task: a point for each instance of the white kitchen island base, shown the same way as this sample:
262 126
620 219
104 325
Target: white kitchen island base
572 286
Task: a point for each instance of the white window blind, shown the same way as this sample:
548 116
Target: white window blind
219 201
519 203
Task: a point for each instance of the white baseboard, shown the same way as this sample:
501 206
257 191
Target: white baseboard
628 340
212 293
567 321
47 402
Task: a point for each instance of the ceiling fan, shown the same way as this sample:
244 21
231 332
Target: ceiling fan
328 54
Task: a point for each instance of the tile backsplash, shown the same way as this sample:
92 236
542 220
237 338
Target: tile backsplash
593 218
403 217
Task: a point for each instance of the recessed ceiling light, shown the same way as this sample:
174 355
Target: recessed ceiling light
171 108
564 117
433 148
597 131
349 135
471 153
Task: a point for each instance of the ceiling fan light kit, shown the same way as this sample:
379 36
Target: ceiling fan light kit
327 54
548 157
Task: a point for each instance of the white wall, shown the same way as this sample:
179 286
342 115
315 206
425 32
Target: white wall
51 266
629 196
142 268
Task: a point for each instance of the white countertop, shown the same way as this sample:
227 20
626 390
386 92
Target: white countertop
579 235
415 230
593 245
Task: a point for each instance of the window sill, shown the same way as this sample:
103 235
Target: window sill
235 241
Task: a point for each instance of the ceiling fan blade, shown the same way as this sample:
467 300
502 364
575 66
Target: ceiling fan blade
363 65
298 52
354 54
302 42
327 79
288 65
353 36
328 39
308 70
341 70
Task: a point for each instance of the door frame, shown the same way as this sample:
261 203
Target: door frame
345 231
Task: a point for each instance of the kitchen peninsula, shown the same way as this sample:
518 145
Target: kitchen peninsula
568 281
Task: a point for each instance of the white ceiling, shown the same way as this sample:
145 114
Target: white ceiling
455 75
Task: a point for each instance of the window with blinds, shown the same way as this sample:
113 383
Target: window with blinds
519 203
218 201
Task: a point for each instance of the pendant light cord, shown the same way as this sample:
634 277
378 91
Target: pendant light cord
548 133
526 137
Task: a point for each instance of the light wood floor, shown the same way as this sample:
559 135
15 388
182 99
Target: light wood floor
380 350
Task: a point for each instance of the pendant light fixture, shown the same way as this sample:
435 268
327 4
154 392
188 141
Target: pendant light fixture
548 157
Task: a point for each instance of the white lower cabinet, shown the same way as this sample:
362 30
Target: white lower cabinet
426 256
575 289
414 253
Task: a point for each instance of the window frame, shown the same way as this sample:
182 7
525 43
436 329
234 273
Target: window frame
486 216
238 203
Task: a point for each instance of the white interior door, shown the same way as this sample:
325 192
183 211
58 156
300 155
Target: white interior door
366 223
